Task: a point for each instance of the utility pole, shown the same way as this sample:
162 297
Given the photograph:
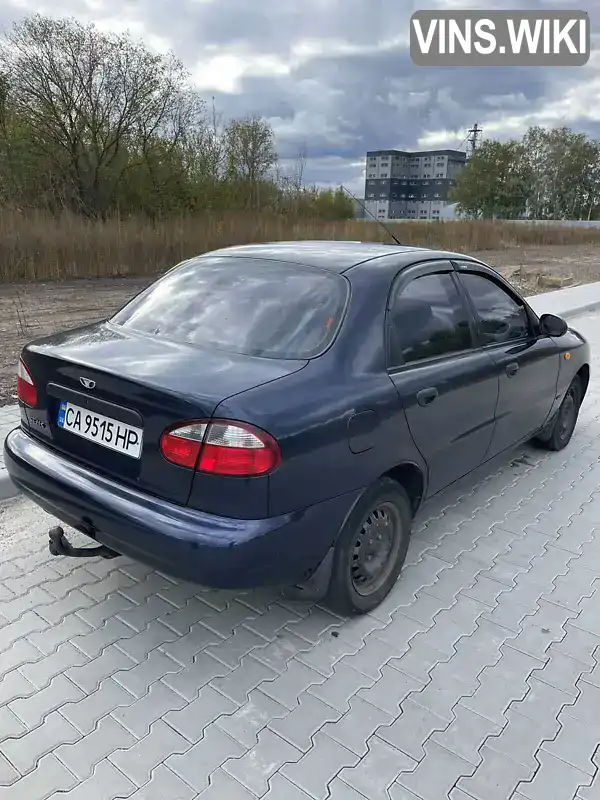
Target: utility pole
473 139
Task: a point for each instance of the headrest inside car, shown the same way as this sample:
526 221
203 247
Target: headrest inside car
412 314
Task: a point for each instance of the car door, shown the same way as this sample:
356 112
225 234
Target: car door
527 362
447 386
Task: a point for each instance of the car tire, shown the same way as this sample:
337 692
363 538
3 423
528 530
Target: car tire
371 549
558 434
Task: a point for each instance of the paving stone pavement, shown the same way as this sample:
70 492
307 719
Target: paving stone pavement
477 679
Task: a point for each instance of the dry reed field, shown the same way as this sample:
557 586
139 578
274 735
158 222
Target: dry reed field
63 272
35 246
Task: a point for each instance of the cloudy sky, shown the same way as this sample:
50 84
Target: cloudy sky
334 77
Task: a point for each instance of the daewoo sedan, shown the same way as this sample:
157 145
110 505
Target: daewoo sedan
276 414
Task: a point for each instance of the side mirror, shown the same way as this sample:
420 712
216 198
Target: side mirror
551 325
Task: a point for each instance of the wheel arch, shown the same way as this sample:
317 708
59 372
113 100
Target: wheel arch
583 373
412 479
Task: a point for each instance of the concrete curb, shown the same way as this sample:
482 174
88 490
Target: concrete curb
7 487
568 303
10 417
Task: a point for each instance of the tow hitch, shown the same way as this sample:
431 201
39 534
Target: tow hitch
59 545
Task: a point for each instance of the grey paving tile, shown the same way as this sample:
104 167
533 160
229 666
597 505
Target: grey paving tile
86 713
300 725
586 708
371 658
138 679
287 687
106 783
501 685
280 787
554 780
377 771
542 703
48 777
139 646
14 685
237 684
575 743
314 625
141 759
222 785
31 625
277 654
89 675
496 778
466 734
521 737
315 770
442 693
577 644
83 754
254 769
165 785
25 752
250 719
562 672
188 681
139 716
103 587
196 765
419 661
10 726
436 774
32 709
337 690
192 719
8 774
412 729
324 656
390 690
354 729
94 642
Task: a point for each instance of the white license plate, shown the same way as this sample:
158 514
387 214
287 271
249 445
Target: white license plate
101 430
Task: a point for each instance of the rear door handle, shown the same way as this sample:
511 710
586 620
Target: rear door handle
427 396
512 369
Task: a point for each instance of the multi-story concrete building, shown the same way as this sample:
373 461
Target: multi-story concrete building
405 185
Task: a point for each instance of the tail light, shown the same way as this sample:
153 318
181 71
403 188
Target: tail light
221 447
26 388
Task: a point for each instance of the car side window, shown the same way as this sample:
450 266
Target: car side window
428 318
501 318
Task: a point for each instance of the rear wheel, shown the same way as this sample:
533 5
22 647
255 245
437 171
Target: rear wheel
563 425
371 549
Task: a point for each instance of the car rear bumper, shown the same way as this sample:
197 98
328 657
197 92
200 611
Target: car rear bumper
213 551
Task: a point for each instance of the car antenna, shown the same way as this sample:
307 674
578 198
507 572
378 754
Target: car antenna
364 208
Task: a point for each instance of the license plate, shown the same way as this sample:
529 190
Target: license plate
101 430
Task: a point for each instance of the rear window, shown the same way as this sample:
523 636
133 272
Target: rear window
242 305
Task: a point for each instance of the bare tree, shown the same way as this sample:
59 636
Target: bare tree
250 149
97 103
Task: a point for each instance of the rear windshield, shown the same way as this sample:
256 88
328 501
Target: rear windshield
242 305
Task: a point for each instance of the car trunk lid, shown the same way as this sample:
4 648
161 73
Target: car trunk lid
140 386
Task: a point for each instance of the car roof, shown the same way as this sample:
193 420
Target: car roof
333 255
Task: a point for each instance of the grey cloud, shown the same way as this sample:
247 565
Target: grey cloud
340 105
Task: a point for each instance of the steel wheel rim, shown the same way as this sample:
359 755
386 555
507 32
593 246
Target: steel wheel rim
376 544
567 415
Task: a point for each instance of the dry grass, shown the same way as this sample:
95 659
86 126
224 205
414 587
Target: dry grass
38 247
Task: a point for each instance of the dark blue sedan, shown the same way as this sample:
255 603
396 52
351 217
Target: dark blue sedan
275 414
